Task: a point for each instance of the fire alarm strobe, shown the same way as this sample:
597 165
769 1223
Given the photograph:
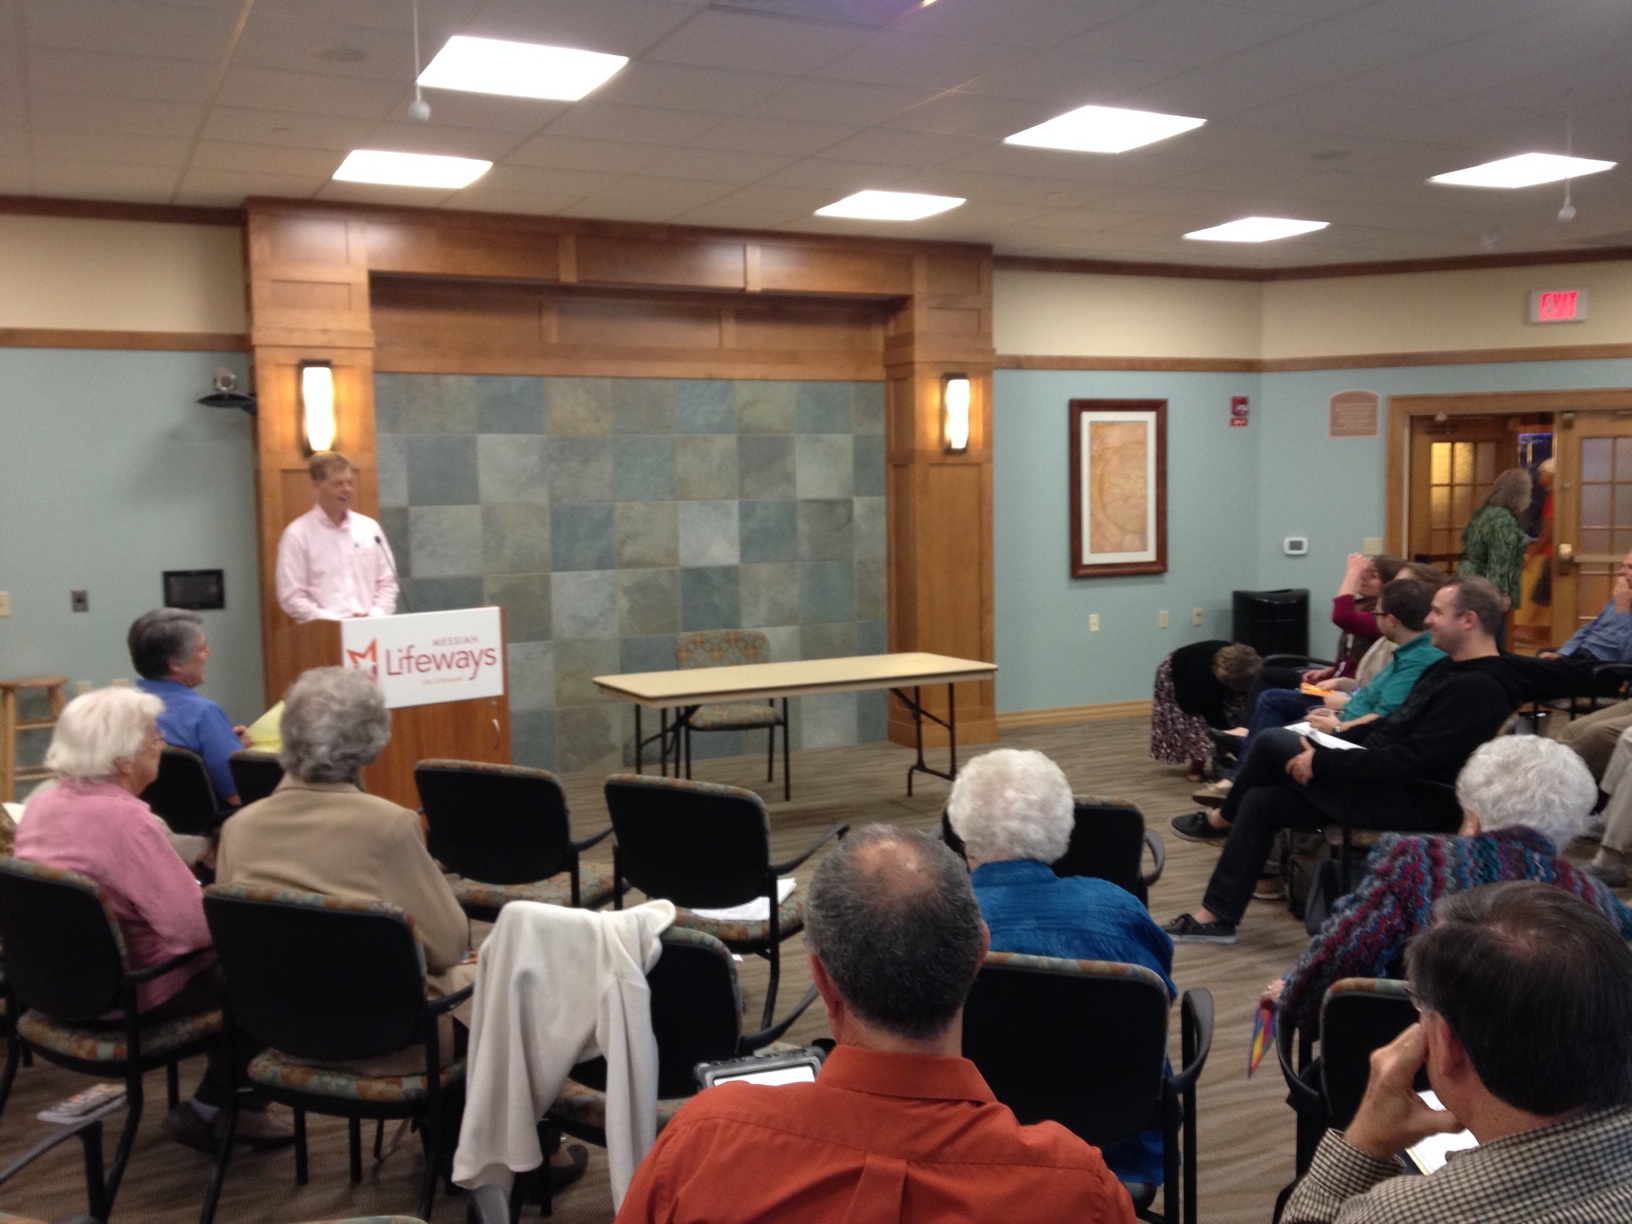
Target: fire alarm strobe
1295 546
1238 410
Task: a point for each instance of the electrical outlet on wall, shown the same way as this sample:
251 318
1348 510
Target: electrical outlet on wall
1195 616
79 601
82 686
1371 545
1093 622
5 603
1161 619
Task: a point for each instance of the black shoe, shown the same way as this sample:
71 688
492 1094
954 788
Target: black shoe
186 1126
1194 826
1185 929
562 1176
1227 744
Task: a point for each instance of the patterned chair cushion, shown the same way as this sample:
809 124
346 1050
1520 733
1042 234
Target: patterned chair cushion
734 716
790 918
657 782
280 1071
89 1043
594 888
1055 964
491 767
721 648
366 1220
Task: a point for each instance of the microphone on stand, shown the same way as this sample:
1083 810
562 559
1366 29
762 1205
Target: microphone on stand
391 561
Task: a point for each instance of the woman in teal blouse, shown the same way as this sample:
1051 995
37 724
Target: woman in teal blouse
1493 543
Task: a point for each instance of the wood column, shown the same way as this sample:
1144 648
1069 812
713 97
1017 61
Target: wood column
940 504
308 298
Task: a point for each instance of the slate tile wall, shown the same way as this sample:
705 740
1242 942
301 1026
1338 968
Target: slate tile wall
607 514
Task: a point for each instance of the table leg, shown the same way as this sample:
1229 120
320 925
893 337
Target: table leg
915 704
640 745
663 741
952 726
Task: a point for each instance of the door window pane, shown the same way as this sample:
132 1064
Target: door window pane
1484 466
1596 457
1439 507
1595 505
1439 462
1462 462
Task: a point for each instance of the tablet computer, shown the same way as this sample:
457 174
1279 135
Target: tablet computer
1431 1153
782 1067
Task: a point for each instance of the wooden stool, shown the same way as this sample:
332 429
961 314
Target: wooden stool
10 725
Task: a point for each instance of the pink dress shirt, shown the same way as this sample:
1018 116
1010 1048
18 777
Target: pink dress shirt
327 572
102 830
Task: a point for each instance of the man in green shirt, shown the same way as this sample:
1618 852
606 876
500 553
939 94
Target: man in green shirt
1401 608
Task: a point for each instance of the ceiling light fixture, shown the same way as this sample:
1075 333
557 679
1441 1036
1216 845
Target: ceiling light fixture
889 206
519 70
1103 129
410 169
1525 170
1256 229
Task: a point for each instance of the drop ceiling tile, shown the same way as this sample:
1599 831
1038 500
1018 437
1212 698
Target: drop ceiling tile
1073 75
714 165
274 41
770 43
1139 167
628 27
231 186
84 113
840 178
725 215
1457 19
14 143
235 124
312 93
404 137
267 159
130 27
1024 23
130 76
1457 121
567 153
800 200
594 119
755 134
696 89
1076 221
901 57
904 148
454 108
15 177
958 113
841 102
84 146
682 193
100 180
1457 70
383 15
1185 33
538 180
479 198
375 193
1350 108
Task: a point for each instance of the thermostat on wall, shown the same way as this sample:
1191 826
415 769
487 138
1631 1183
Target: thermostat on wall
1295 546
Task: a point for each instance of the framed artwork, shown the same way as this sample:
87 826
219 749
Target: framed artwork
1118 487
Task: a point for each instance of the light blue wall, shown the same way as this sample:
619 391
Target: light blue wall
110 473
1233 495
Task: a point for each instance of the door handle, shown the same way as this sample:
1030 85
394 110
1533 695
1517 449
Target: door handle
1566 555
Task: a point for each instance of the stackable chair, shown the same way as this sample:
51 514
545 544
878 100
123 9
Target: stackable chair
725 648
183 795
89 1133
328 980
1108 842
1084 1043
256 774
1357 1016
67 964
704 846
504 831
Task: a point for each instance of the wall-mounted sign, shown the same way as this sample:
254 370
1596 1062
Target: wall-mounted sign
1352 414
1558 305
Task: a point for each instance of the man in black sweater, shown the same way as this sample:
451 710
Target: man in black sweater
1286 782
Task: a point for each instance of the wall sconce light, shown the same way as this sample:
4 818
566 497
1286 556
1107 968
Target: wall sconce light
316 406
955 412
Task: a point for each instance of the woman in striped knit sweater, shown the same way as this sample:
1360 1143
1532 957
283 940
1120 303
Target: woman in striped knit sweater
1524 798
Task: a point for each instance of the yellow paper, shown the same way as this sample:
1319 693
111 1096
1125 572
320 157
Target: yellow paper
265 733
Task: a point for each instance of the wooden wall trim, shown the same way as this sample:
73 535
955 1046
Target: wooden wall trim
114 210
1391 267
1057 716
1350 361
634 363
71 338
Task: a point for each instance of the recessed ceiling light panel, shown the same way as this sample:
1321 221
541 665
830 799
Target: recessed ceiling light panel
1256 229
889 206
1525 170
410 169
1103 129
518 70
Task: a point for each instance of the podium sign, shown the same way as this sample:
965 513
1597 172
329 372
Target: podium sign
429 658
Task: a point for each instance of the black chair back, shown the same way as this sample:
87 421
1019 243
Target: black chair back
1079 1042
499 824
255 774
182 793
699 845
318 977
43 911
1358 1015
1107 843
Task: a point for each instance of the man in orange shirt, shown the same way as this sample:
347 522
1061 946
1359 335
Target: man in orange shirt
898 1125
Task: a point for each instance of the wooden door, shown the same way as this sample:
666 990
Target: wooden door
1592 513
1454 460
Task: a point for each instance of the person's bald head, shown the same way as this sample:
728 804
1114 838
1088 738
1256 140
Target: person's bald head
892 918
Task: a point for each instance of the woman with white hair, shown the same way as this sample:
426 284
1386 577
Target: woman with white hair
105 753
1524 799
1014 812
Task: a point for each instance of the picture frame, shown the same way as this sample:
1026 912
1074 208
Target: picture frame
1118 490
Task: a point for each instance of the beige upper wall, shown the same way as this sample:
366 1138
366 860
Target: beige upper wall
71 273
1069 314
1432 311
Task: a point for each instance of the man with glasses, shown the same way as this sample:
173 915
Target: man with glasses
1524 997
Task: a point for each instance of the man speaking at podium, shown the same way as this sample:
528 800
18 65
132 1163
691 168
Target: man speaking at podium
333 563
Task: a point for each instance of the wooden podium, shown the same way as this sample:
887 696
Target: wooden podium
474 730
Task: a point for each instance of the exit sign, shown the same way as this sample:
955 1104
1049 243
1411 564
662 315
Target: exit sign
1558 305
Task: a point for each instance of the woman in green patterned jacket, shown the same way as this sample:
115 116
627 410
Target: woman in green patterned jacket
1493 543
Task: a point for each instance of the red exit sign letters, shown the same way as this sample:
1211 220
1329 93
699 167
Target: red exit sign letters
1558 305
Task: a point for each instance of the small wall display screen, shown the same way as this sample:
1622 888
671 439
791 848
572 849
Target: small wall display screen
197 590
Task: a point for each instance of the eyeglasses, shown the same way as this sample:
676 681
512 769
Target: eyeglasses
1416 1001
